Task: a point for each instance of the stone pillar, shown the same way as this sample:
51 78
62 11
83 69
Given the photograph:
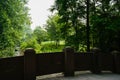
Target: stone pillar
29 64
96 61
69 61
116 61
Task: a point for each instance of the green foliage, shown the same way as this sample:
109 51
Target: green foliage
53 28
104 23
105 26
7 52
71 13
13 18
68 23
40 34
31 43
50 46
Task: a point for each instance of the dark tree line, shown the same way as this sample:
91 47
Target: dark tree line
104 23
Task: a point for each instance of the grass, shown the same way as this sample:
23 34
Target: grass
52 42
50 46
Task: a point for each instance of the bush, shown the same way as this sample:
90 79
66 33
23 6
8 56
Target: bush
32 43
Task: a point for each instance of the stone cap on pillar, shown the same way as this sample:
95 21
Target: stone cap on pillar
115 52
95 50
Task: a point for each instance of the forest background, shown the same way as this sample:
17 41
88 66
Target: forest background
66 27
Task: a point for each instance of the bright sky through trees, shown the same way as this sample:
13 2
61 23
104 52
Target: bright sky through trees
39 11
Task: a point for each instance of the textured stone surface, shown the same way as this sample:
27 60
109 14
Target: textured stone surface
86 75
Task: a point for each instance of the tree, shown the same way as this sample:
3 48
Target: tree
53 28
72 14
13 18
104 22
40 34
104 19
